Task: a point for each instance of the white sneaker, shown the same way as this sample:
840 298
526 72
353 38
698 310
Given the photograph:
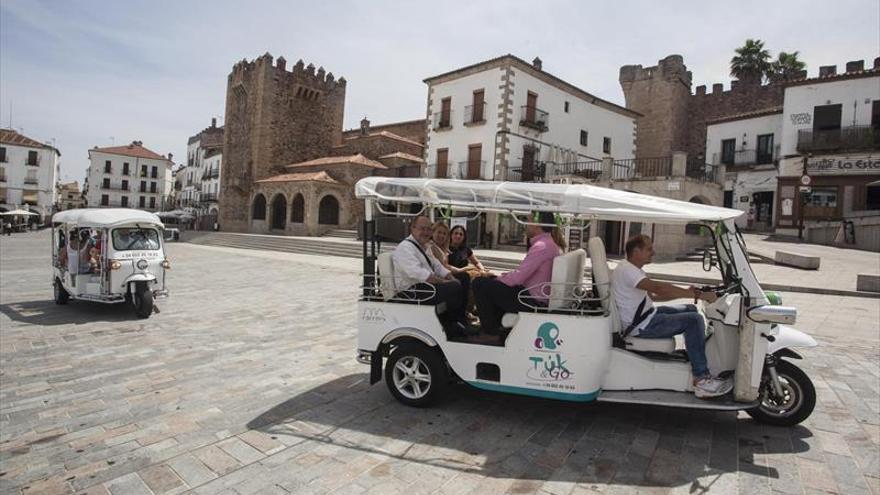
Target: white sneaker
708 387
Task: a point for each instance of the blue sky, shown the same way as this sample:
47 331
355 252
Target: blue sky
92 73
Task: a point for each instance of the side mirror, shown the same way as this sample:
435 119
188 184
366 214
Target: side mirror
708 260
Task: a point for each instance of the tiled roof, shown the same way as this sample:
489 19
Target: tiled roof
747 115
10 136
388 135
302 177
403 156
836 77
134 149
357 159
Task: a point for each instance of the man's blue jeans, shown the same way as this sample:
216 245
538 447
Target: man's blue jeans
681 318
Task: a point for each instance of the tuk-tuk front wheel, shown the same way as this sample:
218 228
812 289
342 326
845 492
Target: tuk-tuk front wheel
142 300
415 374
61 295
794 405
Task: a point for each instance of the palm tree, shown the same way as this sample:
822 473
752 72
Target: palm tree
751 62
786 67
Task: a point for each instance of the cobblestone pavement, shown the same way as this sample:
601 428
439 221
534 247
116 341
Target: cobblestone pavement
246 383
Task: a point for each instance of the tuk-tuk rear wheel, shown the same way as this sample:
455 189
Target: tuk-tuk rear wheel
61 295
142 300
415 374
797 402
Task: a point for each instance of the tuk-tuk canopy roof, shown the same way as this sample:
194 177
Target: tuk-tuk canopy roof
106 217
580 200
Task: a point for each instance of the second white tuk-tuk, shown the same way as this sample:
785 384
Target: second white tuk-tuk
575 349
109 255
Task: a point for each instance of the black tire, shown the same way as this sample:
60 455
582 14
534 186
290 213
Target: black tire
61 295
142 300
416 375
799 401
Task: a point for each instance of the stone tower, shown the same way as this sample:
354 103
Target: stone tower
274 117
661 95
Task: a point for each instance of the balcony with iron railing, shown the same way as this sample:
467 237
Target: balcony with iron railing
746 157
591 169
706 172
851 138
442 121
115 188
534 118
31 181
32 161
528 172
211 174
475 114
208 197
472 170
636 168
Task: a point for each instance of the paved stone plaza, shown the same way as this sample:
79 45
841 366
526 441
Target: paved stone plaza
246 383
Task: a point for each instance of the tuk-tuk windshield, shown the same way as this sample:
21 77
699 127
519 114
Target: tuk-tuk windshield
135 239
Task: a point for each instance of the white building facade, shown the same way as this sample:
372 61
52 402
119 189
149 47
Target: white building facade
200 177
129 176
29 172
829 171
507 119
748 147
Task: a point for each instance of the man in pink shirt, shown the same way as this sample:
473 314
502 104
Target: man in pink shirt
499 295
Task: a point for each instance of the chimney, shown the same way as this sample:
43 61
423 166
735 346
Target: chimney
855 66
537 63
365 127
170 156
827 70
213 122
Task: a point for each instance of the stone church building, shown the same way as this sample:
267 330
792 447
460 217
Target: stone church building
289 168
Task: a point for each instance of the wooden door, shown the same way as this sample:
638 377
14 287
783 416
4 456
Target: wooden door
442 163
531 105
475 153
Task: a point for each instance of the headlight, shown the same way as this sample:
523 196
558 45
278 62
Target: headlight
142 264
115 265
166 264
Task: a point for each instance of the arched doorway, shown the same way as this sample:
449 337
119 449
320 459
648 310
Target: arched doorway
298 209
279 212
328 211
258 209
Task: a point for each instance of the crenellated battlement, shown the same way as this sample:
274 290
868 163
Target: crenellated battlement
299 74
671 68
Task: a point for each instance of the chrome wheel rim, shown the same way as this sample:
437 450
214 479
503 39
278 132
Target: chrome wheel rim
412 377
781 407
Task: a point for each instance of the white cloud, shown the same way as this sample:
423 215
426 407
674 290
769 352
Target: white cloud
156 71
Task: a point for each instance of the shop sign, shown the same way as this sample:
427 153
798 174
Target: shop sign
837 165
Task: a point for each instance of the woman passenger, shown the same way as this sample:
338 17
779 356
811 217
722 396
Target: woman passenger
439 245
461 257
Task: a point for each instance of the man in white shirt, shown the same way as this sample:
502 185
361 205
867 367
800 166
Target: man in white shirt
415 268
635 294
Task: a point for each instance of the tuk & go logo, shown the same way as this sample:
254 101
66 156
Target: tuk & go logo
373 315
549 366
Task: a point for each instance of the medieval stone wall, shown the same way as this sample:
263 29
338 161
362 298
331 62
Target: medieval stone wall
415 130
274 117
674 119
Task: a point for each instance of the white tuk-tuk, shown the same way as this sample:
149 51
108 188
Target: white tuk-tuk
575 349
109 255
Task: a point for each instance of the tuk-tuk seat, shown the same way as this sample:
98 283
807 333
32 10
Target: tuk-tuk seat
602 280
386 276
567 274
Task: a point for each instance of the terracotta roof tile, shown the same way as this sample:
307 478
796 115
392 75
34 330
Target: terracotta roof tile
10 136
134 149
301 177
357 159
746 115
388 135
403 156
